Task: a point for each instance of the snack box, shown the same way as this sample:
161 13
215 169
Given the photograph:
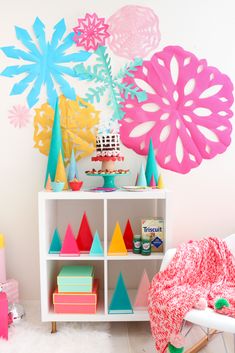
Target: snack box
75 279
154 229
76 303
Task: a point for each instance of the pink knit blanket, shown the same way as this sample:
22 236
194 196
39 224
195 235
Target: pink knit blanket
199 269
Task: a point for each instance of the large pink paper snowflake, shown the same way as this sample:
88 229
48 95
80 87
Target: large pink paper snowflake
91 32
134 31
187 112
19 116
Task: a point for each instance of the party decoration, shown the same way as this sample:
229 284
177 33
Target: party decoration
11 288
78 120
55 145
44 62
96 247
48 186
3 315
19 116
91 32
128 236
152 181
16 312
73 170
117 245
141 181
120 302
101 74
84 237
60 175
56 245
141 299
151 165
187 112
160 184
57 186
69 246
134 31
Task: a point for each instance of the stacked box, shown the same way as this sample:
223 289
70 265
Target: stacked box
76 303
11 288
77 291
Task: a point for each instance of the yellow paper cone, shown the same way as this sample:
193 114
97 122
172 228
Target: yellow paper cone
117 245
160 183
60 175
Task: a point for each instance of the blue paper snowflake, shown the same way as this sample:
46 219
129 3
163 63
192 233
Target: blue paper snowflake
45 62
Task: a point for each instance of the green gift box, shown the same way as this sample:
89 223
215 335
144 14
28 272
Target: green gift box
75 279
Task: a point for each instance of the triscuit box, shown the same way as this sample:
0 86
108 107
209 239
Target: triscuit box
154 229
76 303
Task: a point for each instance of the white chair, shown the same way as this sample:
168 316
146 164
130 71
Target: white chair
207 318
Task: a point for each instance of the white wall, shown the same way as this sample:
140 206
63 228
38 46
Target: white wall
202 201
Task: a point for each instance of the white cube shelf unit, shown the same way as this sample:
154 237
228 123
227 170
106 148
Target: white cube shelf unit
103 211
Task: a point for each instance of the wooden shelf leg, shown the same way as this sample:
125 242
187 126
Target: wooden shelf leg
53 327
202 343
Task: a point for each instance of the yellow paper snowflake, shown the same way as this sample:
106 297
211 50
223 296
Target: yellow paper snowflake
78 120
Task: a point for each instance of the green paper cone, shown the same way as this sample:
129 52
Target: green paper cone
120 303
96 247
55 246
151 165
73 171
55 146
141 181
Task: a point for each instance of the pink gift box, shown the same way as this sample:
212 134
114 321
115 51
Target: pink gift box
77 302
11 288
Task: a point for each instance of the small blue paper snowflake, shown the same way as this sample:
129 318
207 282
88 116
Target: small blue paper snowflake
45 62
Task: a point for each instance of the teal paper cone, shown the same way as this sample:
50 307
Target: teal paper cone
141 181
55 146
151 165
55 246
73 171
120 303
96 247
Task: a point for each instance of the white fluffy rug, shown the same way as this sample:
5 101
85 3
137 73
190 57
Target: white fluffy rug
32 336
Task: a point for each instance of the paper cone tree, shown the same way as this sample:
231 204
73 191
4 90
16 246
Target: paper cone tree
55 146
69 246
117 245
73 171
141 181
136 180
152 181
96 247
48 184
120 302
160 184
151 165
60 175
141 299
55 246
128 236
84 237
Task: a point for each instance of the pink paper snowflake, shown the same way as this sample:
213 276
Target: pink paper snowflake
134 31
19 116
187 112
91 32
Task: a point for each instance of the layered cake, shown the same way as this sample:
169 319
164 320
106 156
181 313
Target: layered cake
108 145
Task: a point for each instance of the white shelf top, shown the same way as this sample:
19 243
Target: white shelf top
87 257
115 195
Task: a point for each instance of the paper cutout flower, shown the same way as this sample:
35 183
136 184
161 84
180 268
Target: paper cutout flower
78 120
91 32
19 116
134 31
46 62
187 112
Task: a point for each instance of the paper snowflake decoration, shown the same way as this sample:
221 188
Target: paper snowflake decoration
46 62
78 121
101 74
19 116
134 31
91 32
187 113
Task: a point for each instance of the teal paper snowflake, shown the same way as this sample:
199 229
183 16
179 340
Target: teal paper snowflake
47 62
101 74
